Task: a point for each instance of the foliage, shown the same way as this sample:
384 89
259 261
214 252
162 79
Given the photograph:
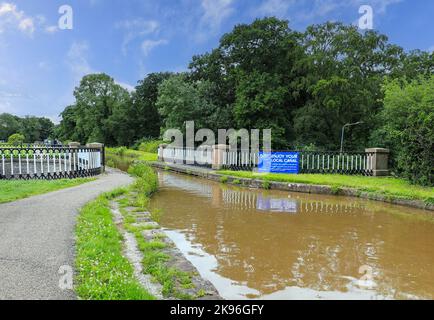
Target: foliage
99 113
32 128
254 72
144 117
150 146
146 180
343 84
223 179
180 100
16 139
127 157
408 128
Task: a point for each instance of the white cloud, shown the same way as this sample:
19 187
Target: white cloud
7 8
380 6
277 8
309 10
51 29
136 28
26 25
12 18
149 45
77 59
215 12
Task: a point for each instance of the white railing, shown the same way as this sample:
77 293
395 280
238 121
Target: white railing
49 162
202 156
308 162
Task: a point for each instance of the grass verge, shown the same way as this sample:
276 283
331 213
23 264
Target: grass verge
388 186
103 273
155 260
12 190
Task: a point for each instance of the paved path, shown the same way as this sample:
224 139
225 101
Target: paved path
37 237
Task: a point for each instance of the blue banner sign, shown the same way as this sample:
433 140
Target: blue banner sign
276 205
278 162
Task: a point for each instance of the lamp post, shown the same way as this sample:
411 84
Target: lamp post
343 131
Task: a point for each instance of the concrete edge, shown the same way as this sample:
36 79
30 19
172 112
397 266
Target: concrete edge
294 187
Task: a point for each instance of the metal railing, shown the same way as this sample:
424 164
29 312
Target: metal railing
202 156
336 162
350 163
49 162
309 162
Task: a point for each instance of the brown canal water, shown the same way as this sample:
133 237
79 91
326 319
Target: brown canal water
280 245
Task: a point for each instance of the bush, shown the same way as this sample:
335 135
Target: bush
223 179
110 163
16 139
408 128
120 151
146 179
266 185
150 146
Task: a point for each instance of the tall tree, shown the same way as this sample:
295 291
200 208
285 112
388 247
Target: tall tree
144 116
96 114
343 83
36 129
256 68
9 124
408 127
181 100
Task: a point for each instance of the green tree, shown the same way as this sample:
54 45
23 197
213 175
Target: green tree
180 100
36 129
408 128
99 113
67 128
415 64
343 84
255 70
144 117
9 124
16 139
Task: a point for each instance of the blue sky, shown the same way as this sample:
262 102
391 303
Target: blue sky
40 64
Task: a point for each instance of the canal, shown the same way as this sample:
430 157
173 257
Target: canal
258 244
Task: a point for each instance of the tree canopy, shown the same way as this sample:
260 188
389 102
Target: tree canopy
31 128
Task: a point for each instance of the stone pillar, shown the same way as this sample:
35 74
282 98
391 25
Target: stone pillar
100 146
380 161
74 145
161 148
218 153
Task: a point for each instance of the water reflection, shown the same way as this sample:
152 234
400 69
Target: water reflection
257 244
